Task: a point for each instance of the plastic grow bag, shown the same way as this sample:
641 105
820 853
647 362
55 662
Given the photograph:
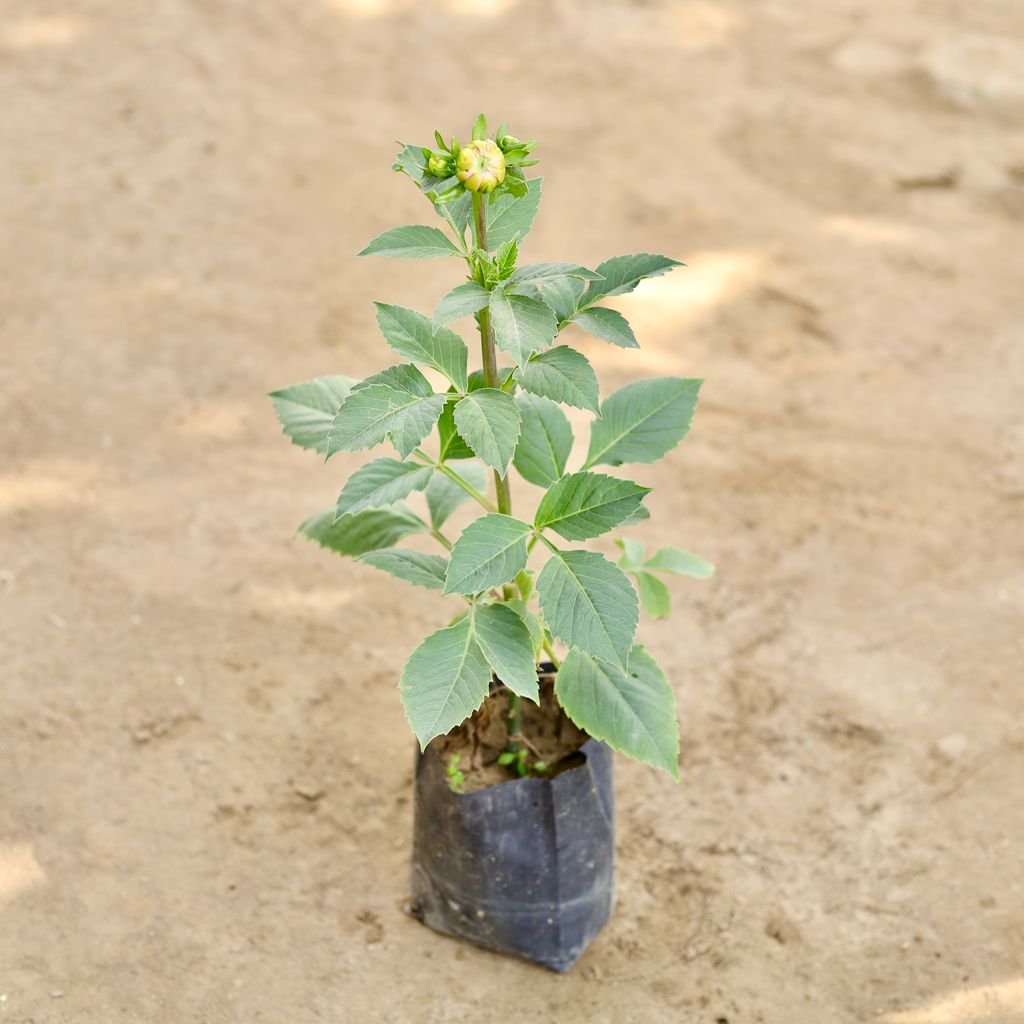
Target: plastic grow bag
525 867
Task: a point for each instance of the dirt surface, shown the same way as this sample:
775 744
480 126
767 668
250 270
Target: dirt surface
204 768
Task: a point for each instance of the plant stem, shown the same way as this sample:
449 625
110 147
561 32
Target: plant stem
464 484
550 652
487 349
441 539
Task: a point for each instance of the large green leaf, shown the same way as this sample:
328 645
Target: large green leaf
398 401
364 531
413 336
632 711
506 644
444 681
307 410
545 443
508 216
444 495
678 561
381 483
642 421
608 325
533 274
563 375
521 325
415 241
490 422
589 603
584 505
462 300
415 567
490 551
622 274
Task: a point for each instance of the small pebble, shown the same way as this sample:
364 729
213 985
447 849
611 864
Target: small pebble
56 994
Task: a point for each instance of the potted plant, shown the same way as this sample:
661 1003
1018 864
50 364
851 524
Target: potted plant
513 836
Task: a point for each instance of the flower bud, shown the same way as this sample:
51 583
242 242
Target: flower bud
481 166
437 165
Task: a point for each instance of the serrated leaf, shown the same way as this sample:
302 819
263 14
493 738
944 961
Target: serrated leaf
362 532
633 711
508 216
589 603
561 294
585 505
678 561
416 338
533 624
381 483
414 241
642 421
444 496
451 444
623 273
415 567
655 598
461 301
521 325
307 410
398 401
490 422
490 551
563 375
533 274
444 681
632 553
608 325
506 644
545 443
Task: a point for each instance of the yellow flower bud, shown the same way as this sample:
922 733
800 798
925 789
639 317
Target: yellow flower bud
481 166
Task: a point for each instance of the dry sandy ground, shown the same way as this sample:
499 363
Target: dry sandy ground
204 769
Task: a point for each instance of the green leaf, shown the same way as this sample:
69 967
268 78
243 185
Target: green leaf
563 375
413 336
451 444
608 325
444 681
589 603
505 258
678 561
444 496
415 241
491 550
632 553
398 401
545 443
623 273
533 624
413 566
506 644
632 711
655 598
381 483
584 505
489 422
561 294
508 216
462 300
522 326
535 273
362 532
642 421
307 410
480 128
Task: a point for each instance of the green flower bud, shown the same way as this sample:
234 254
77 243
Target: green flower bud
437 165
481 166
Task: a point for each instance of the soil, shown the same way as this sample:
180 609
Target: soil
546 737
204 766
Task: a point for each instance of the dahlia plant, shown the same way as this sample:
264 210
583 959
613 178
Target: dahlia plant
506 415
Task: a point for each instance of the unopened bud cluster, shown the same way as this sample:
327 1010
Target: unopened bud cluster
481 165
